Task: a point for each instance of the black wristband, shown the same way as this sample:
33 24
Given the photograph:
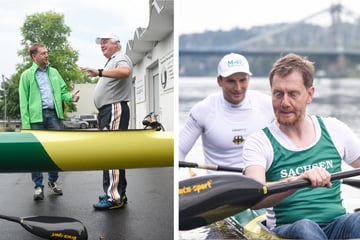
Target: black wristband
100 72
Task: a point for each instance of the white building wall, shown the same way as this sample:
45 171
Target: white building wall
152 52
158 61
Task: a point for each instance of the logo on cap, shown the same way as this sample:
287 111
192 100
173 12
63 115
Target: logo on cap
235 63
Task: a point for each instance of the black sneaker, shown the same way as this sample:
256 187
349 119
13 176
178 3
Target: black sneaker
39 194
55 188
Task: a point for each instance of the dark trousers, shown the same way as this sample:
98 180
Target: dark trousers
114 117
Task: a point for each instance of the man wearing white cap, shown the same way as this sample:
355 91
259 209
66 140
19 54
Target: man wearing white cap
111 97
224 120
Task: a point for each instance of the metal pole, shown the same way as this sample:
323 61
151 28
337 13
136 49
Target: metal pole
5 107
3 79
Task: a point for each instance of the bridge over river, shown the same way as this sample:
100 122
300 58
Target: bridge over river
332 50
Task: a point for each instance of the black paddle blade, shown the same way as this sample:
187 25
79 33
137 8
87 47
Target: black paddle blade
51 227
207 199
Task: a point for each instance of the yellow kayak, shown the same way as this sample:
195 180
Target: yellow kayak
40 150
251 225
207 199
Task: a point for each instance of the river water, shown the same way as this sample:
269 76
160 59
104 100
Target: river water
338 98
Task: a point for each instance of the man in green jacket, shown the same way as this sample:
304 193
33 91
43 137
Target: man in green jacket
41 92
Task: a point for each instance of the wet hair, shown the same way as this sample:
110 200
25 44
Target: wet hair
34 48
293 62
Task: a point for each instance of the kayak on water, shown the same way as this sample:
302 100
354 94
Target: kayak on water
251 224
213 197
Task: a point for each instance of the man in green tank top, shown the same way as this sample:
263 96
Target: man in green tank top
301 146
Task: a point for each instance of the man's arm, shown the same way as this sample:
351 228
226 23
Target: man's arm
187 137
119 72
318 177
356 163
258 173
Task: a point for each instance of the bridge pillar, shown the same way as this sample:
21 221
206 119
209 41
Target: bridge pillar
338 67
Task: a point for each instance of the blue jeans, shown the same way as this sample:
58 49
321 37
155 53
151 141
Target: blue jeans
50 122
37 178
345 227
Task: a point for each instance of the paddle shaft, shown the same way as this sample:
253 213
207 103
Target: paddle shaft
209 167
11 218
281 187
350 182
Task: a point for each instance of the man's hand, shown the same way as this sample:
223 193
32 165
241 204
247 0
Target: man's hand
90 72
319 177
76 96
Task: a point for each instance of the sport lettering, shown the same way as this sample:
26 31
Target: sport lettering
196 188
199 187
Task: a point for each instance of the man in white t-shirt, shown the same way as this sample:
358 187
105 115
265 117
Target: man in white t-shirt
224 120
300 146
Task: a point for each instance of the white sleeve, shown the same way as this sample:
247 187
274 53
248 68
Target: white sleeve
258 151
188 136
345 140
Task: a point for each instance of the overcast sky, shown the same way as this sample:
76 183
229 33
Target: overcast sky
201 15
86 18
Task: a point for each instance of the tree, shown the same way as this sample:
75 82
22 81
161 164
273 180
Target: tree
48 28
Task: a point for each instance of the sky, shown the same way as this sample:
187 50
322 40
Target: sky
196 16
86 18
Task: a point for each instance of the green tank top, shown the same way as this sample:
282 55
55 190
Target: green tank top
321 205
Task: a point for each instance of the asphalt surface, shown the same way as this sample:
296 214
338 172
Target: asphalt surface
149 213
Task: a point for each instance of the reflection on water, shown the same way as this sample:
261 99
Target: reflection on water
217 230
333 97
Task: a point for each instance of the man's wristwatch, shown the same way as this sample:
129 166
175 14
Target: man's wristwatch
100 72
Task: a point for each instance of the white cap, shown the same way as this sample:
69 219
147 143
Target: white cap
107 35
233 63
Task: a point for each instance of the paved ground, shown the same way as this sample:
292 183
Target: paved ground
148 214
